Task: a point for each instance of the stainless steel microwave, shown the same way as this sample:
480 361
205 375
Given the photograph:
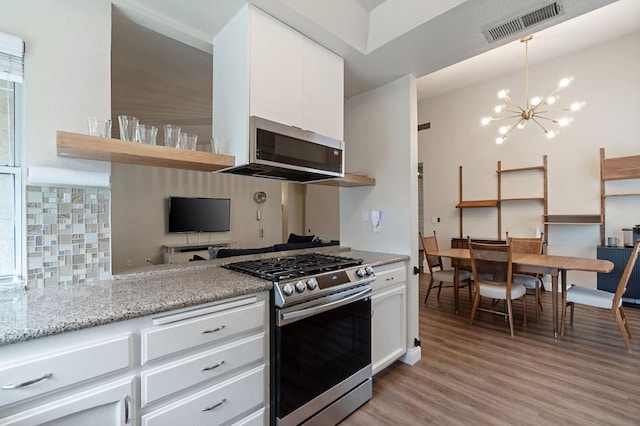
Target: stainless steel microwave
278 151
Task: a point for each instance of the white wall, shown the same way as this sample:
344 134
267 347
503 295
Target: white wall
606 78
322 211
67 71
381 141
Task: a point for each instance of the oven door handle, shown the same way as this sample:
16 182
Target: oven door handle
303 313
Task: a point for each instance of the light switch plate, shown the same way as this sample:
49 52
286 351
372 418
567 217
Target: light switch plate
376 220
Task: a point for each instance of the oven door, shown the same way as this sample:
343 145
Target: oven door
322 351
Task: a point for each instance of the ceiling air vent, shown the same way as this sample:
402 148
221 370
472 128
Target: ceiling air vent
523 21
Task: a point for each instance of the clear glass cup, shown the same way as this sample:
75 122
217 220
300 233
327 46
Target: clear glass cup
217 146
171 136
99 126
147 134
128 128
188 141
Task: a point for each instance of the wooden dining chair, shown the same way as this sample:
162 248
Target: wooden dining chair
531 282
492 268
438 272
603 299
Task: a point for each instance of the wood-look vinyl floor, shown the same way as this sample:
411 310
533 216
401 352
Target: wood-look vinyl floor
479 375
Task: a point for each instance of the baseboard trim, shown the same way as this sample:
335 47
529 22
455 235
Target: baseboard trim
412 356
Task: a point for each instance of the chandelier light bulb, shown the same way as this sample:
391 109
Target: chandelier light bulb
576 106
565 82
537 110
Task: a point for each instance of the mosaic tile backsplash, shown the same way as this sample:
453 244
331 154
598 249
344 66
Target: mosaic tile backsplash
68 235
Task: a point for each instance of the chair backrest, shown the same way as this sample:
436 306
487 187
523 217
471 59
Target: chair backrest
525 245
491 264
622 285
529 245
430 244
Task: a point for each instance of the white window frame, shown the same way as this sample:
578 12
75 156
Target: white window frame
11 68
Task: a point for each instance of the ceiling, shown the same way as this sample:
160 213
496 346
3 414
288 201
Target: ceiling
438 41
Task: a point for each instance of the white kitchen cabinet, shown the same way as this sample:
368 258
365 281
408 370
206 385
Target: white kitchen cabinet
276 57
323 91
65 380
264 68
214 405
201 329
183 360
207 365
388 316
294 80
108 405
29 376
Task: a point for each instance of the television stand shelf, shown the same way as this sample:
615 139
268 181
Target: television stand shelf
180 253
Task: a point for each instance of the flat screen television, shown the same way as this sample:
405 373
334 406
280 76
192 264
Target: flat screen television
191 214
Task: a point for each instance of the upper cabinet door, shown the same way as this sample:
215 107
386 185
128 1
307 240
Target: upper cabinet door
323 91
276 86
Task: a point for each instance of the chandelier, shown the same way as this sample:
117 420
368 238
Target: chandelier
536 108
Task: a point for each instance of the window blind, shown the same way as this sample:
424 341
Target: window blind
11 58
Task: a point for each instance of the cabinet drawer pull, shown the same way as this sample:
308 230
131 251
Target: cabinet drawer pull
214 406
213 367
214 330
389 279
27 383
127 402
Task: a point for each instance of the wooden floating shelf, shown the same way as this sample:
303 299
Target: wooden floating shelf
523 199
521 169
572 219
349 181
631 194
620 168
477 204
77 145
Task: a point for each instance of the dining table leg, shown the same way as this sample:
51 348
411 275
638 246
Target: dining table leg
456 276
554 302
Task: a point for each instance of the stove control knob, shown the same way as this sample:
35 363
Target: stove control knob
360 272
300 286
369 270
287 289
312 284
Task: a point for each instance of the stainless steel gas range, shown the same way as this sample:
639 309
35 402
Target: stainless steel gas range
321 335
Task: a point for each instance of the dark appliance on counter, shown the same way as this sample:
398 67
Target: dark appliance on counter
630 235
321 335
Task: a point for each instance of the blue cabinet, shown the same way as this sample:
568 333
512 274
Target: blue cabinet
609 282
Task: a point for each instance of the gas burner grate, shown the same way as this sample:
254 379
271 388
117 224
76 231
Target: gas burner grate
286 267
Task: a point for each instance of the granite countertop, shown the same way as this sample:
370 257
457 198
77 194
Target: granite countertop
34 313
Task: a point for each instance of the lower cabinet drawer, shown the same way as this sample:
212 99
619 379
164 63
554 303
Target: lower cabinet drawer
63 368
214 405
259 418
164 340
171 377
387 277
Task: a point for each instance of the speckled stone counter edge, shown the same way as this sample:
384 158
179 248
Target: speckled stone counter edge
32 314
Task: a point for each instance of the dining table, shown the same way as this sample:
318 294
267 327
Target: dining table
554 266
